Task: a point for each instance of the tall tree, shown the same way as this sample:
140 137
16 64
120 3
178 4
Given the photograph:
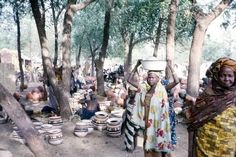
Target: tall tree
203 20
46 60
138 20
57 7
16 10
102 54
157 36
170 34
61 91
66 42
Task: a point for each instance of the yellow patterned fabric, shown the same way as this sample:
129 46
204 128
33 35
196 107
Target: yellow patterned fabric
217 138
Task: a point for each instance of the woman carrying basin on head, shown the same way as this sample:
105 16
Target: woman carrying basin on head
151 113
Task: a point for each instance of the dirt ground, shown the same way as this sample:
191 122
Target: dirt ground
95 144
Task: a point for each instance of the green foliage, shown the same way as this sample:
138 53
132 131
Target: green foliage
140 17
8 26
88 27
185 22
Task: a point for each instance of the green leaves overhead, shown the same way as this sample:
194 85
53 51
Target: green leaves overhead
185 22
140 16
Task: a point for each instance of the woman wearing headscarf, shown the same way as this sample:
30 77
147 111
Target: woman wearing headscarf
212 126
151 114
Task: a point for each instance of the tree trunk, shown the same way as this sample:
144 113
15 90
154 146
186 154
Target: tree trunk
59 91
158 35
126 52
62 91
202 23
128 40
14 110
100 62
66 48
93 55
55 34
195 60
19 50
170 38
78 56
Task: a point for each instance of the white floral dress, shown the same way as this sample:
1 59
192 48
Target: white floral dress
157 132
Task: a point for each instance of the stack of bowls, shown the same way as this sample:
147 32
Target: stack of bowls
45 128
37 125
56 122
81 129
99 121
55 136
114 127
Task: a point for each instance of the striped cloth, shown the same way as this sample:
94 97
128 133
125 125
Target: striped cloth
130 129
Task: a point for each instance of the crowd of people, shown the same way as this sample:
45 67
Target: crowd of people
211 116
150 101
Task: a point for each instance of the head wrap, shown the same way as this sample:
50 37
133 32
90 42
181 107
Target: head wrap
215 99
215 67
157 73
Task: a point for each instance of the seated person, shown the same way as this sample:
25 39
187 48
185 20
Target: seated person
91 106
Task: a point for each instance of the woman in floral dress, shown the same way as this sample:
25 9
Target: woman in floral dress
151 114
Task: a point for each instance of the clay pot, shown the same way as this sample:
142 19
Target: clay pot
36 96
114 127
55 136
89 124
101 115
81 129
29 96
99 121
16 96
56 121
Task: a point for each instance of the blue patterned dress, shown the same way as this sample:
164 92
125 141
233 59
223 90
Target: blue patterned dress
171 114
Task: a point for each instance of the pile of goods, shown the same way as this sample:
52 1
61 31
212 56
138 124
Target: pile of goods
37 94
56 122
99 121
81 129
55 136
113 128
